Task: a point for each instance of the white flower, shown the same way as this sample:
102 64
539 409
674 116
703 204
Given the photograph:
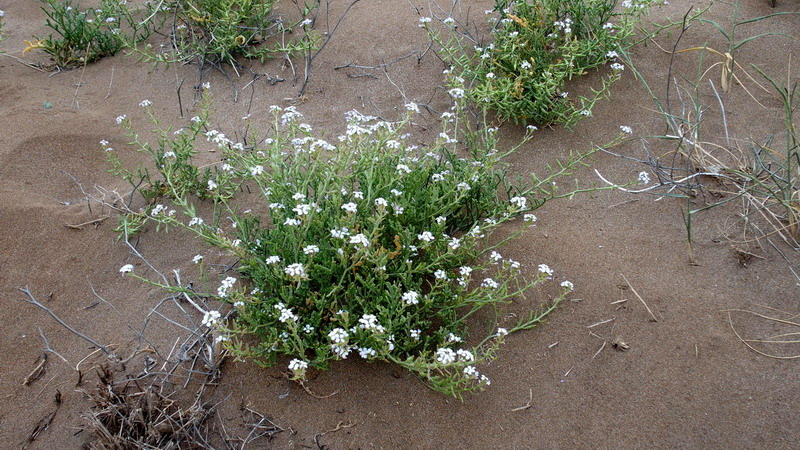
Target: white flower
525 65
272 260
424 20
644 177
586 113
126 268
488 282
238 304
519 202
277 206
224 289
145 103
402 168
288 316
463 187
197 259
359 240
529 218
212 185
338 336
366 353
211 318
302 209
295 270
445 356
626 129
448 21
206 85
104 143
306 22
121 119
465 270
292 222
299 197
340 234
502 332
568 285
617 66
440 220
381 202
465 355
544 268
612 54
454 243
471 372
426 236
451 338
358 194
415 333
456 92
495 257
440 274
2 13
310 249
411 298
256 171
298 368
195 221
396 193
412 107
608 26
350 207
368 322
157 210
532 128
398 209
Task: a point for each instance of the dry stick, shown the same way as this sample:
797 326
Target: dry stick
310 59
32 300
600 323
528 405
49 349
111 82
652 316
308 391
99 220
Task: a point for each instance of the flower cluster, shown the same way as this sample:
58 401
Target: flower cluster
373 247
536 47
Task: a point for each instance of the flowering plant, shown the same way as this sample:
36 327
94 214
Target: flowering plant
538 46
213 31
86 35
368 246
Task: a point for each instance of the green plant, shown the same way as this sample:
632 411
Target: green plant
86 35
537 47
2 15
217 31
371 246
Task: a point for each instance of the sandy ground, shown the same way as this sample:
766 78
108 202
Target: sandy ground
686 381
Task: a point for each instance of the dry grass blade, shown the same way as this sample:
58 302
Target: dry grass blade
652 316
771 340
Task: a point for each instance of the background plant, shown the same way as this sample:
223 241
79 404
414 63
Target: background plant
82 36
370 246
217 31
761 174
536 48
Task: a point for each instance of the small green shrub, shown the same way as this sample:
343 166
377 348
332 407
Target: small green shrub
370 246
217 31
537 47
83 36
